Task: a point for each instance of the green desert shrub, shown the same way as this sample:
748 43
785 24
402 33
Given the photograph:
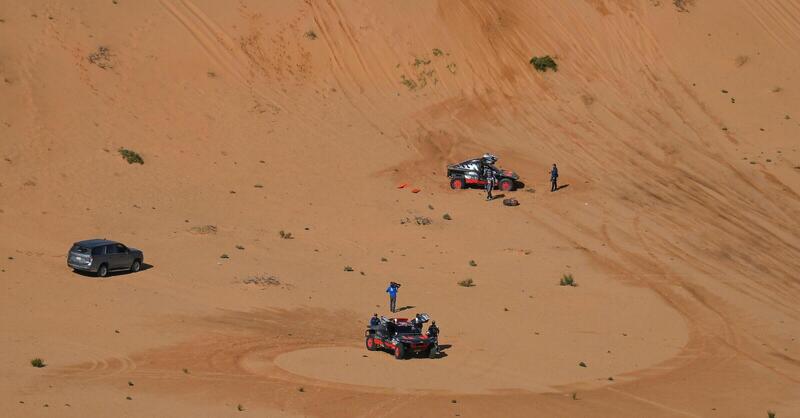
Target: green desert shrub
544 63
567 280
466 283
132 157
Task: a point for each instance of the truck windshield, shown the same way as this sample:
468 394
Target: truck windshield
406 329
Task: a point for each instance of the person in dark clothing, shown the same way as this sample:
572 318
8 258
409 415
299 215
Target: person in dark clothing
433 330
554 178
488 174
433 335
392 291
374 321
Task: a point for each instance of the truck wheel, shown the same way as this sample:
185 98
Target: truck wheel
399 352
102 271
457 184
136 266
370 344
506 185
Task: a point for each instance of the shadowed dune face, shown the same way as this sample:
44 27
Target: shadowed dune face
674 124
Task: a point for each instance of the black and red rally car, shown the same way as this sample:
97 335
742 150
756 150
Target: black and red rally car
470 173
401 336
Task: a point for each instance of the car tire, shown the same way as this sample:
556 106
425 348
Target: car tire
399 351
457 184
136 266
506 185
370 344
102 271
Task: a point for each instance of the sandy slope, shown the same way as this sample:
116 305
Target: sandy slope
676 132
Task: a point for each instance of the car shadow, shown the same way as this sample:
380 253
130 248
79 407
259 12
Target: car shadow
144 267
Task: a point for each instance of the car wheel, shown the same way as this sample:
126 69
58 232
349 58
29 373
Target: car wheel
399 351
457 184
506 185
102 271
136 266
370 344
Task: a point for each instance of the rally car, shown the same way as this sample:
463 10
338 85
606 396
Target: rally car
470 173
401 336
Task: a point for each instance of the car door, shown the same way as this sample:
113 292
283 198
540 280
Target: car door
114 261
125 256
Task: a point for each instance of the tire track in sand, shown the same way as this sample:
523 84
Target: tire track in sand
220 47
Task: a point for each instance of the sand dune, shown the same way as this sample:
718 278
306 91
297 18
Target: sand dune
674 125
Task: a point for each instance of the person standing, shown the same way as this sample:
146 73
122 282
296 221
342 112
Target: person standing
392 291
554 178
488 174
433 336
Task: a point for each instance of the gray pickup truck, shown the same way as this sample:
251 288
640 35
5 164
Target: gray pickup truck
100 256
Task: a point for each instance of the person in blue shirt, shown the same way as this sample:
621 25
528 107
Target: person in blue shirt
392 291
554 178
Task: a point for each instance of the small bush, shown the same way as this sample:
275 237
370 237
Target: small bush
240 247
409 83
742 60
437 52
38 363
544 63
422 220
101 58
240 408
770 414
286 235
132 157
301 389
582 364
466 283
224 256
185 370
567 280
447 217
472 263
311 35
262 280
348 268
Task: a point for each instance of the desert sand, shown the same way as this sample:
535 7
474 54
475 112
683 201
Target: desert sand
675 126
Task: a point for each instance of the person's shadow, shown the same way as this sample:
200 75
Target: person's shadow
403 308
441 351
563 186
